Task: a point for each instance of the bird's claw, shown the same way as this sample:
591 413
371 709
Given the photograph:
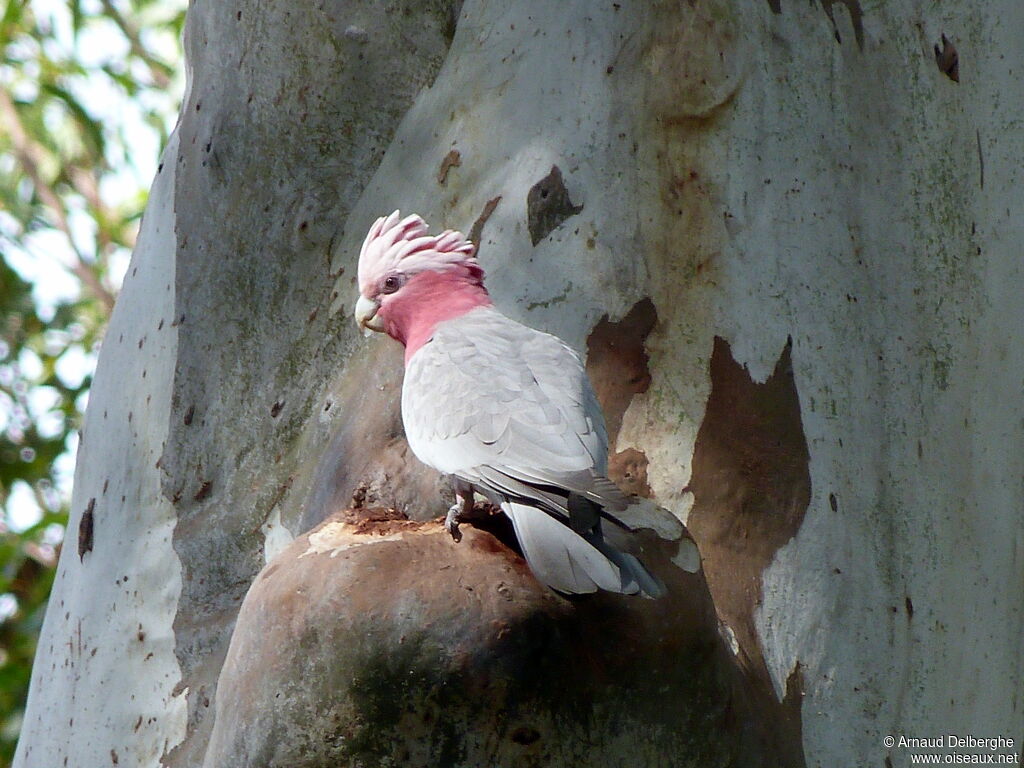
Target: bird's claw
451 522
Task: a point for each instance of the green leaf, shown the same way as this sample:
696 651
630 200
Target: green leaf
91 129
12 16
76 17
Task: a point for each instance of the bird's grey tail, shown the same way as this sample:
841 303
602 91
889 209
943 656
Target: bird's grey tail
578 564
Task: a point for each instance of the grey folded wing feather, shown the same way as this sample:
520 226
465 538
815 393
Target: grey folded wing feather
489 392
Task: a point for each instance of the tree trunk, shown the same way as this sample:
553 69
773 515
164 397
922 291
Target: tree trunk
786 236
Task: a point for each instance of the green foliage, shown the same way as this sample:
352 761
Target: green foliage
87 95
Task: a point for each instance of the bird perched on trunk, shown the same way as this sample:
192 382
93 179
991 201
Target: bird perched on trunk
504 409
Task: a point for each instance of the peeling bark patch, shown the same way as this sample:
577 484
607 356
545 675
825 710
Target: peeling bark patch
204 491
789 718
751 485
628 469
948 60
476 232
548 205
376 521
795 686
452 160
856 19
85 530
617 361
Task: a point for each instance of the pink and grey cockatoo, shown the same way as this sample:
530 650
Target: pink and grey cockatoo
504 409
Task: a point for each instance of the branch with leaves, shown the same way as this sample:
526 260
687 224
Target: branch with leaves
30 156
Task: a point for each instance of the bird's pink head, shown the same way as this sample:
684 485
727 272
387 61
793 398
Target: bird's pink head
410 281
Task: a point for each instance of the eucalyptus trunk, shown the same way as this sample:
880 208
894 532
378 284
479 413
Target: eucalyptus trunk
785 235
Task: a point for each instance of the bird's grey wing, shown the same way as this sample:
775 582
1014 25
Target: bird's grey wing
489 392
560 374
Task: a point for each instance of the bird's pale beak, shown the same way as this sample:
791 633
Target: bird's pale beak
366 315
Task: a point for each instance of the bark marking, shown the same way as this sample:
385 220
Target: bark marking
751 484
548 205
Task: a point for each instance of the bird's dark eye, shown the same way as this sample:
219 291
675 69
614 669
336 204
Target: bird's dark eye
391 284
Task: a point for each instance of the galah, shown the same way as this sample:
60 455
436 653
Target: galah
507 411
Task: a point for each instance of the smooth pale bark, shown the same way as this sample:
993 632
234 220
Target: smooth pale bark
784 214
104 683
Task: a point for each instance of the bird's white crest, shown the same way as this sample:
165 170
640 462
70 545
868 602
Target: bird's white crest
393 239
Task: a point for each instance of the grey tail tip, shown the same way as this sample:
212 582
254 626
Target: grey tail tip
655 590
650 585
635 576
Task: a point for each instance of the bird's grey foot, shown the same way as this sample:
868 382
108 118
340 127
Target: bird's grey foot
451 521
462 509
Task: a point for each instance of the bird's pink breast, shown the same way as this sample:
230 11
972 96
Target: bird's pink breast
428 299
